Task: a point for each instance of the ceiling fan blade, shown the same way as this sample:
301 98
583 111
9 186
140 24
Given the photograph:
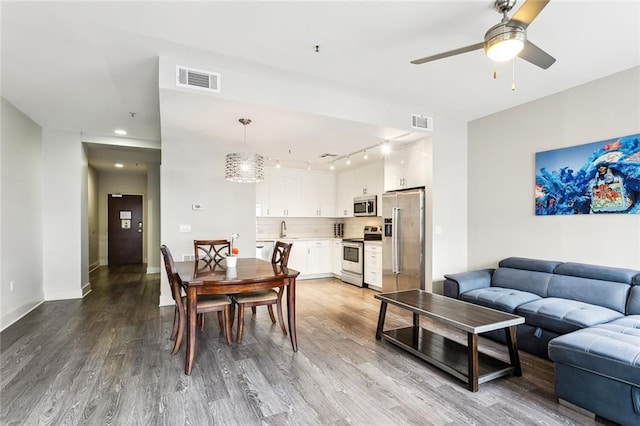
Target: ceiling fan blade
449 53
536 56
528 12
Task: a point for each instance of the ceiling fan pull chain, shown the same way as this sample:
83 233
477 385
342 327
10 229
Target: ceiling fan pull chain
513 75
495 72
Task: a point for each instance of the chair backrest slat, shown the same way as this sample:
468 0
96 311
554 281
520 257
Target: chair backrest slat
211 250
281 253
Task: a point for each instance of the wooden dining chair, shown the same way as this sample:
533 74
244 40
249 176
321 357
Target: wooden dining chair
268 297
211 250
207 303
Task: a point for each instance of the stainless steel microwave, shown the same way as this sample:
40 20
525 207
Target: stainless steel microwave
365 206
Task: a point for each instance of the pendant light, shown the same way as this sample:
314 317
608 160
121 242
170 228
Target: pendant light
244 167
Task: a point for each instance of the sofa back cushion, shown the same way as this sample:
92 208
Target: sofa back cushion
633 305
603 273
610 294
520 273
519 279
529 264
598 285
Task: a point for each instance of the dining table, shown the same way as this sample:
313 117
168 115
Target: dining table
200 277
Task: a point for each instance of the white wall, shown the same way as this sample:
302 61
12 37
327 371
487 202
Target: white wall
152 227
92 200
501 177
244 81
193 172
449 197
123 183
63 183
21 232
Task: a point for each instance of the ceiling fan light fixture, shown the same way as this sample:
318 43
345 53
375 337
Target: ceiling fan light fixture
503 43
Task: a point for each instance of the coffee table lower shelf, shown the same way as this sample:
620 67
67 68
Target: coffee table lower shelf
446 354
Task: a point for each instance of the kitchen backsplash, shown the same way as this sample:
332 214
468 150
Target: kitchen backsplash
268 228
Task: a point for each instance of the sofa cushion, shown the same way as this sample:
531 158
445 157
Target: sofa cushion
529 264
610 350
523 280
602 273
626 322
564 315
609 294
503 299
633 304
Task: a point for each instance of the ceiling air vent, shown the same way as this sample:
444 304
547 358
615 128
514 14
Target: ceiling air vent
421 122
198 79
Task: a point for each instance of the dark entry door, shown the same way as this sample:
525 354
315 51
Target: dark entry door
124 229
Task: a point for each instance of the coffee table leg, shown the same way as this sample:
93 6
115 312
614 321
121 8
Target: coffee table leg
383 313
472 348
416 320
512 344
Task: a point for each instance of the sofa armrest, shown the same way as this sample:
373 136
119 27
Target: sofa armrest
457 284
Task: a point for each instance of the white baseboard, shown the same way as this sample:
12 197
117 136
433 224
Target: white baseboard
18 313
153 269
94 266
166 300
86 289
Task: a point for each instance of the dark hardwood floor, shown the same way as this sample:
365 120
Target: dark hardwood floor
107 360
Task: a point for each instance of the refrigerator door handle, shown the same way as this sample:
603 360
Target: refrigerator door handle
395 241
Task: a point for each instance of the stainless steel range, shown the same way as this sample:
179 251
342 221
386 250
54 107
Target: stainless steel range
352 263
353 256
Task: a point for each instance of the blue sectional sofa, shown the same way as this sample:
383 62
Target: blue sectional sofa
585 318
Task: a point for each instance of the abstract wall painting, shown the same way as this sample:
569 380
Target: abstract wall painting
598 177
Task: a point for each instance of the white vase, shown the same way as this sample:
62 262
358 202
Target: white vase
231 261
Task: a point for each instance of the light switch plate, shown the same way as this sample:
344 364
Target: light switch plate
185 228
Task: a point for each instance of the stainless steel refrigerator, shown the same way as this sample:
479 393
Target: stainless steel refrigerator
403 235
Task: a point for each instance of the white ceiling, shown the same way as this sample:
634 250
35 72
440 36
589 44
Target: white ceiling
84 66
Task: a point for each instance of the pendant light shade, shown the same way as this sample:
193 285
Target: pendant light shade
244 167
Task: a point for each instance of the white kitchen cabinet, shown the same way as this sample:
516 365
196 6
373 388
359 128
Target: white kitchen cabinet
320 257
318 195
336 267
299 256
406 167
296 193
312 258
373 265
356 182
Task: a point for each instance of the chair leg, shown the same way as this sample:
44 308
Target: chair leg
178 342
201 318
174 332
220 321
279 308
253 310
270 309
240 322
227 324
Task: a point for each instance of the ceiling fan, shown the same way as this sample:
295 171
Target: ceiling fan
507 39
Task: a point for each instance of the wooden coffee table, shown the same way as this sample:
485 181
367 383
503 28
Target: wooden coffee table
462 362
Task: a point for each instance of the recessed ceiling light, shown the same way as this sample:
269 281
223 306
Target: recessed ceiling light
119 165
120 132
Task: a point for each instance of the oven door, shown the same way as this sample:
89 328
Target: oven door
352 257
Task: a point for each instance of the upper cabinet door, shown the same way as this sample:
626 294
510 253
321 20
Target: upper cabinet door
296 193
407 167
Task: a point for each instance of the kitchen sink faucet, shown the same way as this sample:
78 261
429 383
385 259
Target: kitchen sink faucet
283 229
